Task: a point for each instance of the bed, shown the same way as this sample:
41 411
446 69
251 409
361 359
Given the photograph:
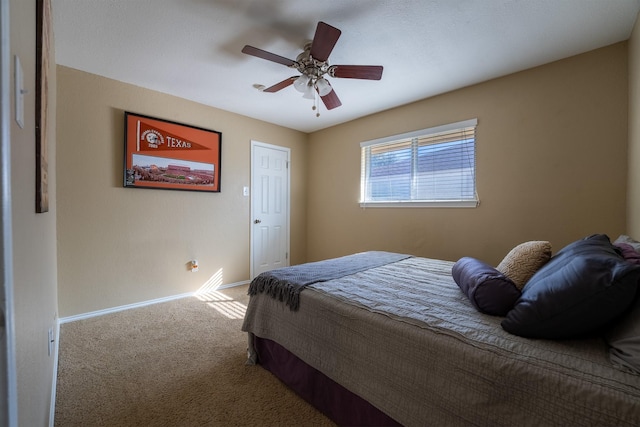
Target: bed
396 341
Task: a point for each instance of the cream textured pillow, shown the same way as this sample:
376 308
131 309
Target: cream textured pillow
524 260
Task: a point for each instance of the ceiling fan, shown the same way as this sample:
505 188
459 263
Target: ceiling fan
314 67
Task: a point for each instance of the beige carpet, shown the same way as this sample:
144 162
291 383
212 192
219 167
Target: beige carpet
179 363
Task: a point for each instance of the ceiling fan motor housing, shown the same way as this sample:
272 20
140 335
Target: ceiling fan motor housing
310 66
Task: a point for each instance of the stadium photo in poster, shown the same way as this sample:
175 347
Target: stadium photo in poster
168 155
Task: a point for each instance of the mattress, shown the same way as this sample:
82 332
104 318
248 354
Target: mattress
405 338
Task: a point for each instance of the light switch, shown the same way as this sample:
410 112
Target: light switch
245 191
20 91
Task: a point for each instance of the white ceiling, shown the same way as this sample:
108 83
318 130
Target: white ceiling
191 48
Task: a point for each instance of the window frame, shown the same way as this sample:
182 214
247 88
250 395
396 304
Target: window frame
398 139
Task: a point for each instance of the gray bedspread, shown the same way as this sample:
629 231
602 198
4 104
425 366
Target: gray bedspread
285 284
405 338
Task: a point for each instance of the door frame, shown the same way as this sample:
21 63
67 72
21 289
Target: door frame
251 209
8 381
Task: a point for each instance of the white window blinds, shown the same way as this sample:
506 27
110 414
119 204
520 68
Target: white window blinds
430 167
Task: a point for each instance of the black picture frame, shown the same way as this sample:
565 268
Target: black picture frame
163 154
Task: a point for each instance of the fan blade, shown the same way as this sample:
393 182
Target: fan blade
324 40
279 86
367 72
331 100
250 50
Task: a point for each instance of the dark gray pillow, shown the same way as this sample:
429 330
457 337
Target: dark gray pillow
624 341
580 290
490 291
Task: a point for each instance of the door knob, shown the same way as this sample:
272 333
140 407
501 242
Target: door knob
257 221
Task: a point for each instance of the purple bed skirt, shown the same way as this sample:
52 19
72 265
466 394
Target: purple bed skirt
329 397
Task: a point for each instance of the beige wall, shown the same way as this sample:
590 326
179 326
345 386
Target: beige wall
551 165
633 193
118 245
551 157
34 235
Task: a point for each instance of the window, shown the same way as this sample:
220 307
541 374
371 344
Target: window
430 167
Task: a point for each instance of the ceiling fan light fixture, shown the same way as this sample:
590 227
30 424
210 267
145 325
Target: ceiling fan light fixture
309 92
324 88
301 83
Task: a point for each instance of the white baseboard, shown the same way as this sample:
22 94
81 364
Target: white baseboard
139 304
96 313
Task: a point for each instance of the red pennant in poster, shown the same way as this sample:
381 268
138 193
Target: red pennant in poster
154 139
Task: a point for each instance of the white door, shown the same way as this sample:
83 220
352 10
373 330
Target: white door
8 388
269 207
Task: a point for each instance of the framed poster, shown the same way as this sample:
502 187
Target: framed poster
171 156
43 48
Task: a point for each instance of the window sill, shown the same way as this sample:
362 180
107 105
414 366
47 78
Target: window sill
424 204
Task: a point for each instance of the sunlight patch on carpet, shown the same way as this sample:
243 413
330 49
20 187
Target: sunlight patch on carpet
231 309
224 304
217 300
